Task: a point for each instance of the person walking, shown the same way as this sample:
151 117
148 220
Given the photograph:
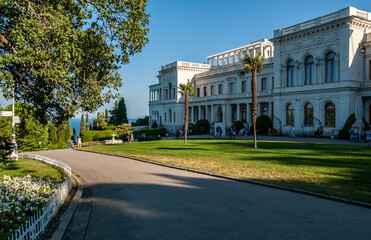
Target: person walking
292 132
79 142
74 141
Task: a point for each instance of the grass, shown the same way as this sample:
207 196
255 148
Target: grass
34 168
337 170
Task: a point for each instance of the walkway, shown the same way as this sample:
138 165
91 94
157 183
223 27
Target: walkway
135 200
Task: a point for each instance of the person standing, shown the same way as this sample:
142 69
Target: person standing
79 142
74 141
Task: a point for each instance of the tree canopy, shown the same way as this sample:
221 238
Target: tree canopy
118 113
62 55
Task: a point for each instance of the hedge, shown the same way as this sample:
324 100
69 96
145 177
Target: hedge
263 123
95 135
202 126
150 132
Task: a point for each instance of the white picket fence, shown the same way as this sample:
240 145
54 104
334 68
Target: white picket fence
37 223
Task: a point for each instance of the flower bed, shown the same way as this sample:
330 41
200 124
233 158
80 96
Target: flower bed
21 198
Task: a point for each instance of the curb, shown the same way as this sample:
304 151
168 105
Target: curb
295 190
67 215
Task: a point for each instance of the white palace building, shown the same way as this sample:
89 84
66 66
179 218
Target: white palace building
312 74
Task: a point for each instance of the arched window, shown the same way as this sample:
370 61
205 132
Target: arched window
170 116
169 90
290 73
330 67
309 70
308 114
290 111
165 117
330 114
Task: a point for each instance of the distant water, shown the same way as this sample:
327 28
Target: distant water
75 123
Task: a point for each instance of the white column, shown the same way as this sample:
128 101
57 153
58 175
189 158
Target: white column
238 112
224 113
199 113
212 114
258 111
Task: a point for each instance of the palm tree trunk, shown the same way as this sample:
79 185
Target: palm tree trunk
186 117
254 104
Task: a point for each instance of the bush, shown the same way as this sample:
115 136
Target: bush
87 136
154 125
202 126
238 125
103 135
344 132
111 127
150 132
263 123
150 138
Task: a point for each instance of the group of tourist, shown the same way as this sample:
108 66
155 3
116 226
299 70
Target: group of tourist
130 137
76 141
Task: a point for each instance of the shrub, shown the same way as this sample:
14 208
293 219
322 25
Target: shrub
111 127
154 125
202 126
238 125
149 138
263 123
103 135
87 136
344 132
150 132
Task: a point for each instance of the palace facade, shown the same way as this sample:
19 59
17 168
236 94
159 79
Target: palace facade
312 74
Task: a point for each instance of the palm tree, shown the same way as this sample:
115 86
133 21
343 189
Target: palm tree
255 66
186 90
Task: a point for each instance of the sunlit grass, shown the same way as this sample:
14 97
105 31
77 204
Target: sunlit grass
24 167
337 170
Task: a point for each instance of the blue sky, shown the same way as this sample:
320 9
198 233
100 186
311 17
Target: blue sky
194 29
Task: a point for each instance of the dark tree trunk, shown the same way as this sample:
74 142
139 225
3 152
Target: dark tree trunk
254 103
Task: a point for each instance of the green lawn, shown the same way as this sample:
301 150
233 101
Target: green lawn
336 170
34 168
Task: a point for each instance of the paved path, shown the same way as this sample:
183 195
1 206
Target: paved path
136 200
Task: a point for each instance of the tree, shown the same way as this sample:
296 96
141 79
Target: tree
186 90
74 131
124 129
68 132
64 55
106 115
253 65
141 121
53 133
118 113
100 122
82 125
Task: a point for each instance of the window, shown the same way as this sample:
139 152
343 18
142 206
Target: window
166 96
244 113
215 62
243 86
231 59
309 70
205 92
265 110
170 115
290 73
174 116
264 84
231 88
220 89
174 93
198 92
169 90
330 114
212 90
272 82
369 71
308 114
165 117
226 60
290 114
330 67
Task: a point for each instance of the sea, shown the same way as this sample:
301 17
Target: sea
75 123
